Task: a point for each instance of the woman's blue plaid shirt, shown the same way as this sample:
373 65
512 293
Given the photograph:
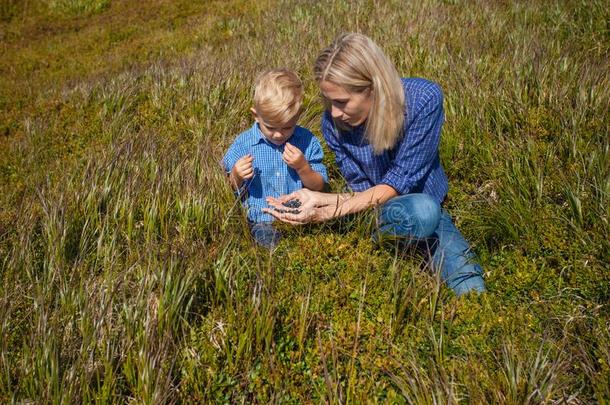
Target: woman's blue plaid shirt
413 165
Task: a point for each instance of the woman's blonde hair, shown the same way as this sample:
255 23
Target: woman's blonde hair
354 62
278 95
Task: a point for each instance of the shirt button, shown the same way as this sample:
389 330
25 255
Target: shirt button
277 174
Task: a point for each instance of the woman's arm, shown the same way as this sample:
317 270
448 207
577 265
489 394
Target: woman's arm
320 207
346 204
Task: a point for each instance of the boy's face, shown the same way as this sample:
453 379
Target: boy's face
276 132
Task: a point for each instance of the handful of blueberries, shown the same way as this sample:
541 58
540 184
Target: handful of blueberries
292 206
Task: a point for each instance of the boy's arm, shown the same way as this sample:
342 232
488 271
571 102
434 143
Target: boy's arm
235 182
237 163
310 178
242 170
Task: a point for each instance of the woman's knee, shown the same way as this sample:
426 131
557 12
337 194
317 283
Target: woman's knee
415 215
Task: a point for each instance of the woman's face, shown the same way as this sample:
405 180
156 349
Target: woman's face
348 107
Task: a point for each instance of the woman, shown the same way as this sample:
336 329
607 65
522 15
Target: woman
385 133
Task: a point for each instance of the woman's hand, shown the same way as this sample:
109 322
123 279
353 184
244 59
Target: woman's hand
320 207
313 207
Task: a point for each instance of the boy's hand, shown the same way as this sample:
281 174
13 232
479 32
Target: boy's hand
294 157
243 170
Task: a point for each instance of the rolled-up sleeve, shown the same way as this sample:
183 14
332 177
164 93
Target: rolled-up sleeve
314 157
418 150
349 168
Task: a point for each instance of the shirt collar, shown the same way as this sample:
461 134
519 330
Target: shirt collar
258 135
259 138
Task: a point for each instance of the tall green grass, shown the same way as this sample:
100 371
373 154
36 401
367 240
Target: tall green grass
127 270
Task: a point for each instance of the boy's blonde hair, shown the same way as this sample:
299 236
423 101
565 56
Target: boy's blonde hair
356 63
278 95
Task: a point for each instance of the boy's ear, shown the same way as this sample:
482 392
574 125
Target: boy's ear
254 114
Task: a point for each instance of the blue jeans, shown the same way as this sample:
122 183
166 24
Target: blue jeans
419 218
265 234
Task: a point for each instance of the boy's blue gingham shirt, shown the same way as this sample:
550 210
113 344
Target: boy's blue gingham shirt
413 165
272 176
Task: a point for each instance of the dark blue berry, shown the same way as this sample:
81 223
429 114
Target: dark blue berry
292 204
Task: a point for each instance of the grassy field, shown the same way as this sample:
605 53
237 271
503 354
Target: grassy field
127 272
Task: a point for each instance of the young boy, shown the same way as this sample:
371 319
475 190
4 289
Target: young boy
274 156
